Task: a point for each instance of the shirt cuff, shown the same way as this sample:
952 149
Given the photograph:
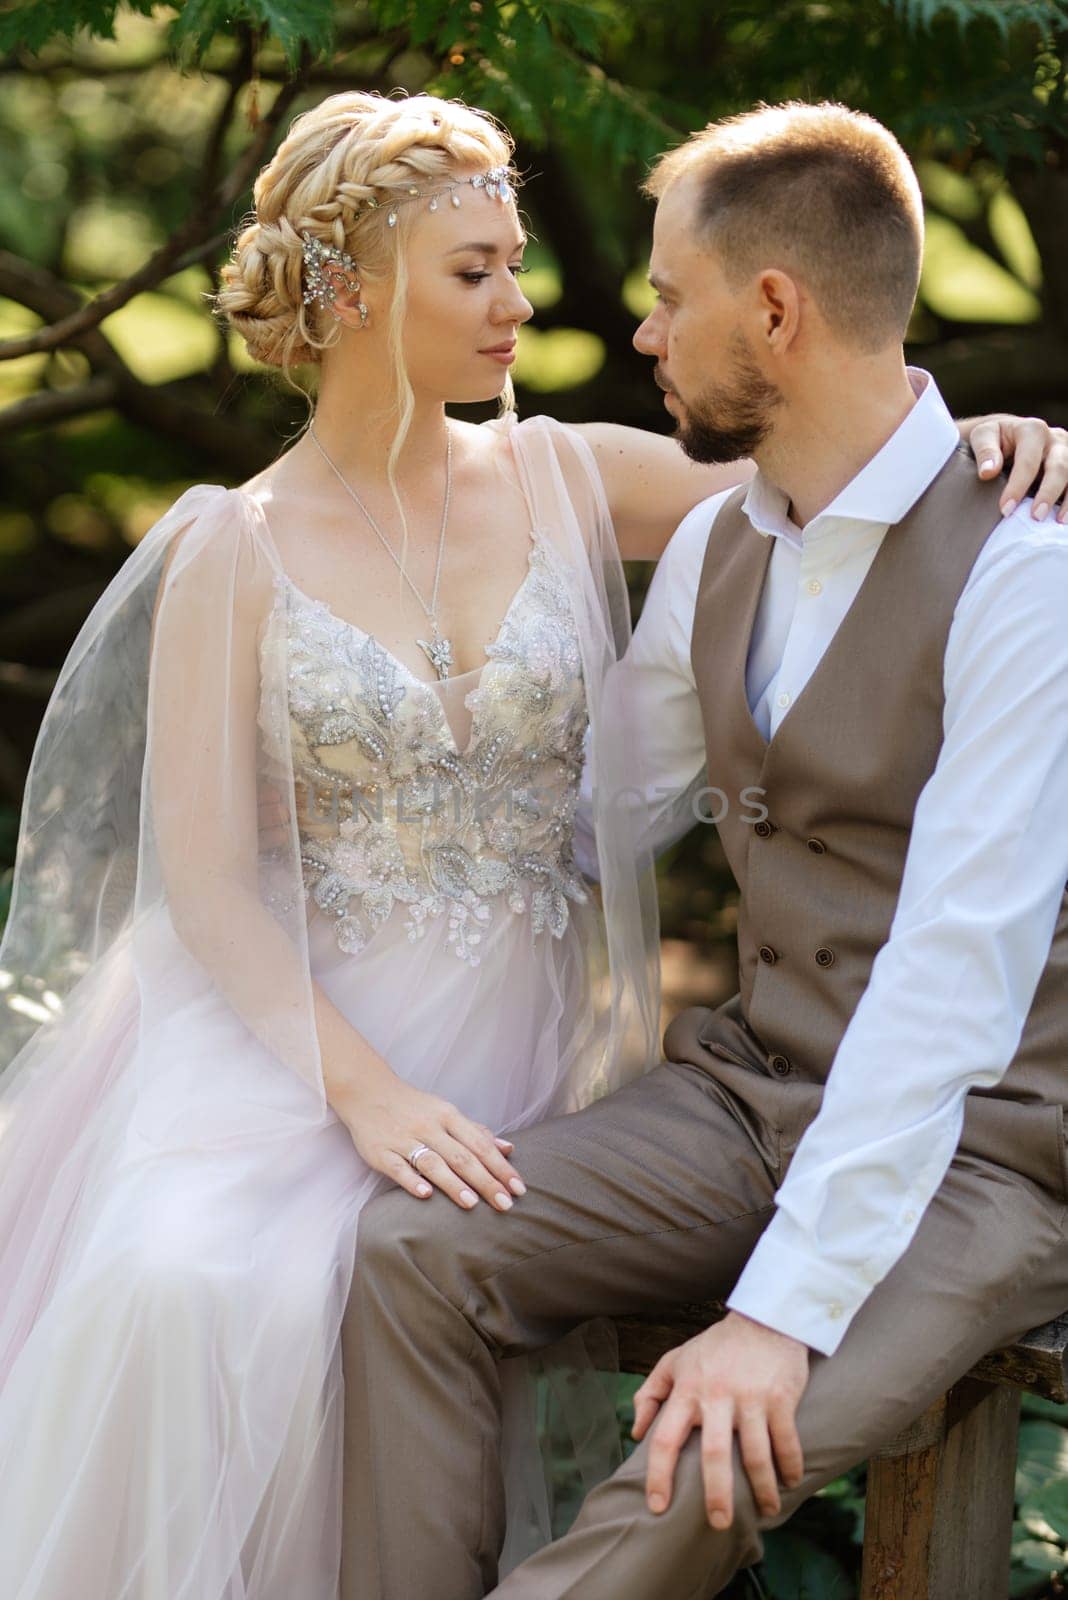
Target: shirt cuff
789 1288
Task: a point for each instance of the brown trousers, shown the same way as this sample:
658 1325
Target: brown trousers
653 1196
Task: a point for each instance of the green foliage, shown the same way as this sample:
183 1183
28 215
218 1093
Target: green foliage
1040 1533
579 69
95 172
795 1568
299 25
34 24
1004 14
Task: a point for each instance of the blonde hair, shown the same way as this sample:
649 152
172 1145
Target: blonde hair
348 150
819 190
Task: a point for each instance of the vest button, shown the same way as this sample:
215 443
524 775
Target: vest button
764 829
817 847
767 954
780 1065
824 957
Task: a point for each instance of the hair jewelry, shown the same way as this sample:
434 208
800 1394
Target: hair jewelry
327 270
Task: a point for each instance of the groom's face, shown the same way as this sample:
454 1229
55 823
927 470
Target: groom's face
722 402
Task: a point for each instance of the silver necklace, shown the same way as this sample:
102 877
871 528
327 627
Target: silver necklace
437 649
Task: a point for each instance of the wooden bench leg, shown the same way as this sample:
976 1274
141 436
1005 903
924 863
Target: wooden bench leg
938 1517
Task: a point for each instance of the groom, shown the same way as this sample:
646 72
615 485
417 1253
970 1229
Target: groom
865 1149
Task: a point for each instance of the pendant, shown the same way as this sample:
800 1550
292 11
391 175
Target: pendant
438 652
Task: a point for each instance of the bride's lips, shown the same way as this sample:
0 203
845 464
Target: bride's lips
504 353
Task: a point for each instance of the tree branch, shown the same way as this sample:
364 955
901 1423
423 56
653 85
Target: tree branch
591 297
240 448
54 405
274 70
69 328
1043 196
236 80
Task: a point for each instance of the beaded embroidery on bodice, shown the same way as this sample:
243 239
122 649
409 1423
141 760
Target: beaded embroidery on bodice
391 811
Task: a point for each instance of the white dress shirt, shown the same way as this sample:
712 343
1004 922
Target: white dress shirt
984 876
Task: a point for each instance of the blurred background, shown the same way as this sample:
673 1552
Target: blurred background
129 137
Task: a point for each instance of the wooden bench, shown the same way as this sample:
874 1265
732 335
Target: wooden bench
939 1509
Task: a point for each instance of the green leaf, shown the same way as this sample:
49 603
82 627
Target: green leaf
1026 1585
1051 1504
296 24
1042 1457
1036 1405
31 26
795 1569
1039 1555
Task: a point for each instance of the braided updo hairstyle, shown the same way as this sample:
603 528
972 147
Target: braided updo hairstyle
350 149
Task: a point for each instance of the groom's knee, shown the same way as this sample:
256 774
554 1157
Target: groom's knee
675 1551
391 1225
401 1237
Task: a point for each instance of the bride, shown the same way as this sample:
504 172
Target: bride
221 1038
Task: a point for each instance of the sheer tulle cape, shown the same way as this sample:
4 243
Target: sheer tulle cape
170 715
143 896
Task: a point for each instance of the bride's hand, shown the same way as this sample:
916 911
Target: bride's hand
463 1159
1028 446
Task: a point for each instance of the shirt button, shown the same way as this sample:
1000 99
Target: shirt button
814 586
764 829
780 1065
824 957
817 847
835 1311
910 1216
783 700
767 955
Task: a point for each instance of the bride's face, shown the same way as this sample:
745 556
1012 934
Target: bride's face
464 304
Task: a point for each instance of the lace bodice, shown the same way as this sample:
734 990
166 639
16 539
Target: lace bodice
393 814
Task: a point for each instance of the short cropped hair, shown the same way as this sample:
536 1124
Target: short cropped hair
819 191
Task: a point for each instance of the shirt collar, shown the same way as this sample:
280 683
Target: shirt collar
886 488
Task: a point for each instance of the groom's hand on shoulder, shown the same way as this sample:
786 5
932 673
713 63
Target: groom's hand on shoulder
736 1377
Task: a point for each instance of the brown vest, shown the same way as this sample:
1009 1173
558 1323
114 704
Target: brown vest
820 878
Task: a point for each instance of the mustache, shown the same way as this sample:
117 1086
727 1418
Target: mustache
660 381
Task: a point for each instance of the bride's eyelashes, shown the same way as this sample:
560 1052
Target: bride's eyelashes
477 277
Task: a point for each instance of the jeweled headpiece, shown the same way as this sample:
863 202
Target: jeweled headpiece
497 182
327 269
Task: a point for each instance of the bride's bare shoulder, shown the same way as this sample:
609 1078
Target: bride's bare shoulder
287 499
269 484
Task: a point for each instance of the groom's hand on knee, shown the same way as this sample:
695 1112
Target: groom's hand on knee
737 1377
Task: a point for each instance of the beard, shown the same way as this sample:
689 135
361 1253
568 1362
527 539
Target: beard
730 419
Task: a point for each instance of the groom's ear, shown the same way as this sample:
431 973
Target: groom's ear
780 309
